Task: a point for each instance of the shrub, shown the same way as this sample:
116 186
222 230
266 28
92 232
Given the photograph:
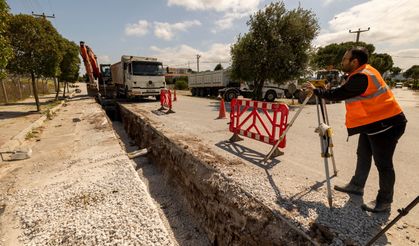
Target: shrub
181 85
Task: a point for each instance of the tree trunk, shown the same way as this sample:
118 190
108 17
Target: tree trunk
30 88
4 91
35 92
19 85
45 85
65 84
257 94
68 88
57 88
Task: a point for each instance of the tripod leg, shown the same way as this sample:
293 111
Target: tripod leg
326 118
326 168
335 171
324 150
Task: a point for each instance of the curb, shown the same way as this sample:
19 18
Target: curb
19 138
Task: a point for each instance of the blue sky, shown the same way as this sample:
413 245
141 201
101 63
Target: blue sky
176 30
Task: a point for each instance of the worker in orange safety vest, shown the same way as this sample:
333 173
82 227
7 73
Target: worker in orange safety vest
372 112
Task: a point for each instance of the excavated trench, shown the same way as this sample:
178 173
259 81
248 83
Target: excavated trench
225 213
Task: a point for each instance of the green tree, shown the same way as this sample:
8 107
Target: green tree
331 55
218 67
276 46
35 44
395 71
69 65
413 73
381 62
5 48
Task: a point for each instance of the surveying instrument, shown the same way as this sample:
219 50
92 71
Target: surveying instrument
325 133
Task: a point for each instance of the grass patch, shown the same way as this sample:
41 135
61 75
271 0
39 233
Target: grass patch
30 135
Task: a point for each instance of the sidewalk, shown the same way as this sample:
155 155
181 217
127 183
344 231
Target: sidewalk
78 188
15 117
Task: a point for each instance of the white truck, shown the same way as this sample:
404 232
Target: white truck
219 82
136 76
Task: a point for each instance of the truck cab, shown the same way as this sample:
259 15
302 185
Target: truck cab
138 76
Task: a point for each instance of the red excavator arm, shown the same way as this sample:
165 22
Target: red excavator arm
90 62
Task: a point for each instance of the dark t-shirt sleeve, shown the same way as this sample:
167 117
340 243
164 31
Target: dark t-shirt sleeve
355 86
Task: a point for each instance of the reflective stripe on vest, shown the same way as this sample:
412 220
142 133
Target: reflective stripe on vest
380 89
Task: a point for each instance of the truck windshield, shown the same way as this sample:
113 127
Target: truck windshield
147 68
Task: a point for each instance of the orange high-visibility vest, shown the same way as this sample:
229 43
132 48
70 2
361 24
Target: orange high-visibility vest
375 104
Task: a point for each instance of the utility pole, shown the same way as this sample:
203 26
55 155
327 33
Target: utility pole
197 62
43 15
358 33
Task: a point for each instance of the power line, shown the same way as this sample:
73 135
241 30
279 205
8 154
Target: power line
413 57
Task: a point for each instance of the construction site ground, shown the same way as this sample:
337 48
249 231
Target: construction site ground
80 188
294 184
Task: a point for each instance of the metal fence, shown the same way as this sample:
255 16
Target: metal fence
17 87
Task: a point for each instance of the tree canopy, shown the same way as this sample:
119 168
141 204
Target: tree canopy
381 62
331 56
412 72
218 67
5 48
395 71
70 63
35 46
35 43
276 46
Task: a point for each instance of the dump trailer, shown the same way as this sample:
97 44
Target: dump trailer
137 76
218 82
208 83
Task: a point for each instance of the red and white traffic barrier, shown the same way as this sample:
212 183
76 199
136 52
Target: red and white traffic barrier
262 121
166 100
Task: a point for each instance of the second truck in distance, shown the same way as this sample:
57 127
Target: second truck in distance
218 82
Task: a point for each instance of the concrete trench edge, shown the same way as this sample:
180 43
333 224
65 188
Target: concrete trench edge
229 214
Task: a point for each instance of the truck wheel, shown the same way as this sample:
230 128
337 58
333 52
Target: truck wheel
270 96
229 95
126 92
157 98
193 91
201 92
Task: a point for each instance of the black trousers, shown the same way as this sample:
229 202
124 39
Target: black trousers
381 147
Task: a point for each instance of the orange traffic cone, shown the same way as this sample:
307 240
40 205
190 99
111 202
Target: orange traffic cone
174 95
222 114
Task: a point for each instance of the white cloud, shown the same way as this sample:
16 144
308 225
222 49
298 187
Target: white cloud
185 56
219 6
391 22
232 9
393 27
137 29
103 59
405 58
166 30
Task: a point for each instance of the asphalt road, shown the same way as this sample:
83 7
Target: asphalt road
301 169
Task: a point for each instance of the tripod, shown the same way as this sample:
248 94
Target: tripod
325 133
326 143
